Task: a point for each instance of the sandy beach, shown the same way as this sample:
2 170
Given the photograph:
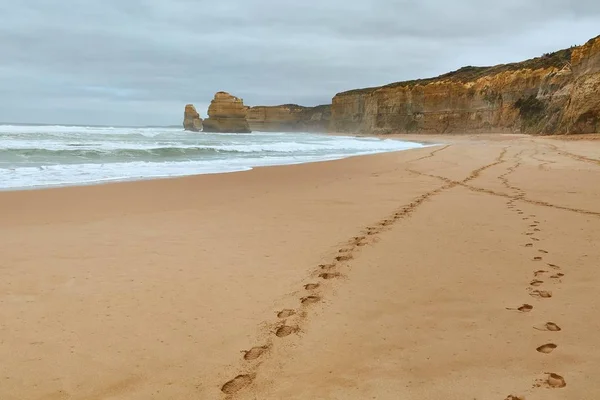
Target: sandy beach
468 270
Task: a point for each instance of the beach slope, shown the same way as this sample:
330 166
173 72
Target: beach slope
464 270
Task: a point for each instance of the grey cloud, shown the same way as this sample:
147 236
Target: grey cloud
139 62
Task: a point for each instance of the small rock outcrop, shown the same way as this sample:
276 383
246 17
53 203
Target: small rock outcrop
289 118
226 114
191 119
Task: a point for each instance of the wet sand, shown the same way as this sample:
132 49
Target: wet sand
466 270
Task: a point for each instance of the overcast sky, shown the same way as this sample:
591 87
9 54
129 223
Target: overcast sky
138 62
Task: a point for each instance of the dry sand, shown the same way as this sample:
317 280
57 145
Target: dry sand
155 290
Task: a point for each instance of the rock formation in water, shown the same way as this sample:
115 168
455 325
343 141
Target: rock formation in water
289 118
226 113
191 119
555 93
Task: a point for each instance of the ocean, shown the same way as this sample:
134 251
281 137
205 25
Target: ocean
44 156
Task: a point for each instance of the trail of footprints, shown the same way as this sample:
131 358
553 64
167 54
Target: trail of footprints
520 196
541 278
550 380
290 320
574 156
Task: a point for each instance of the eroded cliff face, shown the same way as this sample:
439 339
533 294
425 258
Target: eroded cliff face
556 93
226 113
582 113
191 119
289 118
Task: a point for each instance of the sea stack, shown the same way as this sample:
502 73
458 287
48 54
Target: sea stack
226 113
191 119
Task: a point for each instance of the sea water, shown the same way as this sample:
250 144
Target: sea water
44 156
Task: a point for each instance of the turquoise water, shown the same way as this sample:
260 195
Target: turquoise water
43 156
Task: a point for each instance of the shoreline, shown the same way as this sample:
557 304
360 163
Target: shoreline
397 274
109 181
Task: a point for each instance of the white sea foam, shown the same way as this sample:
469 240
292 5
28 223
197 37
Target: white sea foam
42 156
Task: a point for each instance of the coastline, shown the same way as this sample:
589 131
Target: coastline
151 288
129 160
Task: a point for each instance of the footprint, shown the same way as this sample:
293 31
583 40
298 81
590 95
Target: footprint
557 276
536 230
237 384
310 300
537 258
311 286
285 330
345 250
529 245
330 275
547 348
358 241
373 231
535 239
530 233
536 282
327 267
543 251
548 326
286 313
555 381
513 397
524 308
544 294
538 273
552 327
255 352
346 257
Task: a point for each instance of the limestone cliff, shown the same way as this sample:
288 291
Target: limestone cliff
226 113
191 119
289 118
555 93
582 112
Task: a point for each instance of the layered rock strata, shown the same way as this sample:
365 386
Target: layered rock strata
289 118
226 113
555 93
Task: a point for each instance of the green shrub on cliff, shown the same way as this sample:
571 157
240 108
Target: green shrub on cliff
531 109
470 73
